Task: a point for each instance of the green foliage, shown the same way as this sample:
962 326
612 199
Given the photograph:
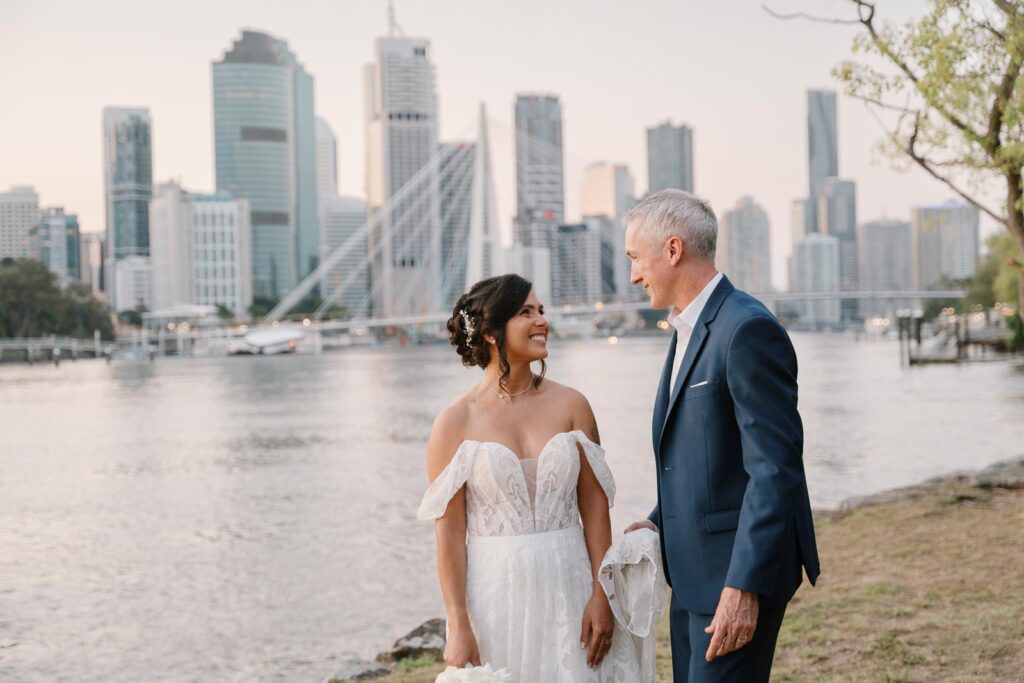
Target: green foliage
949 87
32 304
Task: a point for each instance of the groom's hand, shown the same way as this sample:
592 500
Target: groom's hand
644 524
734 622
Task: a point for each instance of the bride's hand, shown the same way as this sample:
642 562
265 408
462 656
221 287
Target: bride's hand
598 624
461 649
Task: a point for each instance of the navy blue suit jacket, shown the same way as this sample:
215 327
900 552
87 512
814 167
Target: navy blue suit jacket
733 508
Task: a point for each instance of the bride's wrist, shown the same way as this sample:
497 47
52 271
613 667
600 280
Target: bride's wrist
458 621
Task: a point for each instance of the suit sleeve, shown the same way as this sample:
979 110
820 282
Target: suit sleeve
655 516
761 373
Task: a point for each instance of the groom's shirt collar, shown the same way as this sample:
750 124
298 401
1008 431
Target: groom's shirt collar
691 314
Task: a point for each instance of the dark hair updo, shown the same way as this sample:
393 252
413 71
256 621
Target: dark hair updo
488 306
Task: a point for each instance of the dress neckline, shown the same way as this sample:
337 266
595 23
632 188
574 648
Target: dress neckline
543 450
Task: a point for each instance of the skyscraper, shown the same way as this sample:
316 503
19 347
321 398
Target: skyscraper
816 266
822 147
326 161
401 149
945 243
128 175
54 240
669 157
348 283
609 192
837 216
19 211
885 258
265 148
90 260
577 280
455 177
540 177
744 249
200 250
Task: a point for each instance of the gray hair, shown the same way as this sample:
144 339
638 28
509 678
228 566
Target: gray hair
675 213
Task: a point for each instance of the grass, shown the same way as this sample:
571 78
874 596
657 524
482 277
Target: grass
925 590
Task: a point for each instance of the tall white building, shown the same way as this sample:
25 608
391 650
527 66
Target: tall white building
91 259
669 157
170 236
816 267
609 190
886 262
19 211
945 243
744 247
201 250
132 279
347 284
534 264
577 278
401 139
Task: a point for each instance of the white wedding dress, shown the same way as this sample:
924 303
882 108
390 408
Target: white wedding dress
528 572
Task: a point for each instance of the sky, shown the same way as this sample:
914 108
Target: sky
735 74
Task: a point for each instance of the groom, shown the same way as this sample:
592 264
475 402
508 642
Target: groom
733 511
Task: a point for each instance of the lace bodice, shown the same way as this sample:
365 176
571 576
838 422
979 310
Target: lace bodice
498 500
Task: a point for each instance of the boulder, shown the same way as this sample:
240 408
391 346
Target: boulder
1008 474
426 640
357 670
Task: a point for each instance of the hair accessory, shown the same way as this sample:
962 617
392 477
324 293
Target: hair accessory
468 322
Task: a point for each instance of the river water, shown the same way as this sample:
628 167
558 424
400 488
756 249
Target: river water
253 519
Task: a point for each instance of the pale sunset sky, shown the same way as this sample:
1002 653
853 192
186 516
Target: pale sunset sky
735 74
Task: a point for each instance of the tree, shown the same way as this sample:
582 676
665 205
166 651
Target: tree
951 98
29 298
32 304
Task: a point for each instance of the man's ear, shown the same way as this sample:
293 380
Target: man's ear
675 248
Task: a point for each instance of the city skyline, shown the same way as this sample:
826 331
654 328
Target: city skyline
611 90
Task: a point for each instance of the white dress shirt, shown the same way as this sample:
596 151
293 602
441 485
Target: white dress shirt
684 323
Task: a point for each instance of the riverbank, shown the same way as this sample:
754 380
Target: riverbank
924 583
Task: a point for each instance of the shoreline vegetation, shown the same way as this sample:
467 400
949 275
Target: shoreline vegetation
921 583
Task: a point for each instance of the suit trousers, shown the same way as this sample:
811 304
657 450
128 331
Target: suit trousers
752 663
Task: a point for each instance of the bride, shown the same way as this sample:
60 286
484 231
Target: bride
520 493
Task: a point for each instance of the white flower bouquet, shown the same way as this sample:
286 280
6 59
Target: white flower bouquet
474 674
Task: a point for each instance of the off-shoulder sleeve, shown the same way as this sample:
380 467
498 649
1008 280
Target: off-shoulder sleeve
447 484
595 458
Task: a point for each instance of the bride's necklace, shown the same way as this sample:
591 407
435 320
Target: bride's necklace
506 394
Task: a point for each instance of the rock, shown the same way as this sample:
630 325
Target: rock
424 640
357 670
1008 474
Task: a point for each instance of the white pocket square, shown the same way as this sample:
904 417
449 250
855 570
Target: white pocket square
699 384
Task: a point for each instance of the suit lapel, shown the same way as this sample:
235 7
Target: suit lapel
696 343
661 400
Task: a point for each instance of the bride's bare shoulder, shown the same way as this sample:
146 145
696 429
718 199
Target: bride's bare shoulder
581 415
446 436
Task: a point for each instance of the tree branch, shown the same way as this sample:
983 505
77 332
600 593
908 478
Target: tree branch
883 105
909 150
868 21
808 17
1003 95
